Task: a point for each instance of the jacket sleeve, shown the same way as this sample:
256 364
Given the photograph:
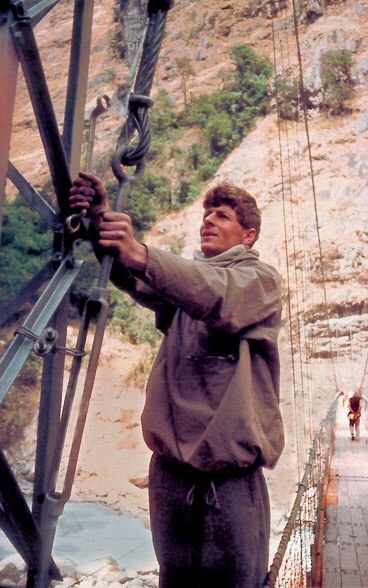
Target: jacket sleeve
231 298
124 279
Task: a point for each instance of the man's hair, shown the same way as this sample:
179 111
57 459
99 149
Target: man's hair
245 206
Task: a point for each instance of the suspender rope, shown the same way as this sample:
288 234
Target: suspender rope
302 89
287 261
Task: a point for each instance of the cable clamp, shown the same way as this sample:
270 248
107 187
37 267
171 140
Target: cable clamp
46 343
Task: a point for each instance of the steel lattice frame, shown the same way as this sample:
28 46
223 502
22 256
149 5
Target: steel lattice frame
32 531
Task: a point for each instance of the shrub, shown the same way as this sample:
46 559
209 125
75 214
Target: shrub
287 96
20 404
220 133
228 114
162 116
135 323
336 78
26 244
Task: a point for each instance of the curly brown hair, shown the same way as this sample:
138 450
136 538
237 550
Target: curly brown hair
244 204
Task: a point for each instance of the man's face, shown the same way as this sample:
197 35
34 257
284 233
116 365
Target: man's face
220 230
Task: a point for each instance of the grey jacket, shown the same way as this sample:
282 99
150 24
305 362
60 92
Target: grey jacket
213 392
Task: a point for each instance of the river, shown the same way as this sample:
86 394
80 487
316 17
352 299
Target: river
91 531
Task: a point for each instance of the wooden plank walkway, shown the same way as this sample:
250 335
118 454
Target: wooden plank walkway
345 548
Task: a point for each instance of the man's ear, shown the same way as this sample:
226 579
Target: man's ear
249 237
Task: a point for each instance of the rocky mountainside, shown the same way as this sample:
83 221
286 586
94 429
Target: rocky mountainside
302 185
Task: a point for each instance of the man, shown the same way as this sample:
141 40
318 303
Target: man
354 414
211 415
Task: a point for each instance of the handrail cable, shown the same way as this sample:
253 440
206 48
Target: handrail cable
364 372
278 560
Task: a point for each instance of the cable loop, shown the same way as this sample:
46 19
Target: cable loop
138 105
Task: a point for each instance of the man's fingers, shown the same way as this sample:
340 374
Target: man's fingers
80 198
82 204
82 190
115 235
84 176
110 247
112 216
113 225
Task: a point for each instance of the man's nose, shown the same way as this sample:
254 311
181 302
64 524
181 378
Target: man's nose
208 219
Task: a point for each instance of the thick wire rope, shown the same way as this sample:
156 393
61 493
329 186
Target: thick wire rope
293 368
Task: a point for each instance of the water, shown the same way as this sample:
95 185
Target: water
89 531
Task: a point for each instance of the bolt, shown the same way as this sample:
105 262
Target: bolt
40 345
50 334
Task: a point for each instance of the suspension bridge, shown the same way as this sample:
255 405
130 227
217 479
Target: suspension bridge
325 539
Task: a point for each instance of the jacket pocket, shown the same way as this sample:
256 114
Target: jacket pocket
204 379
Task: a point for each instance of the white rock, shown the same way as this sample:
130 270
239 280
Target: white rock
93 567
14 559
66 583
131 574
88 583
118 577
136 583
150 580
66 566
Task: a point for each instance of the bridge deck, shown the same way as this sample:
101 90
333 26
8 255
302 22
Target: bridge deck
345 549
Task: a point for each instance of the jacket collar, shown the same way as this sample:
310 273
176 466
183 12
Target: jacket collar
233 255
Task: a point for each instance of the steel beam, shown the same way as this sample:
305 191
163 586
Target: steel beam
29 57
48 426
37 9
8 82
25 293
77 83
39 317
17 521
34 198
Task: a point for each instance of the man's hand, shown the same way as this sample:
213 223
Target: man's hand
116 237
110 232
88 193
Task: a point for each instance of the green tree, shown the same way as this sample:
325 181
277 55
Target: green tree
336 78
186 70
250 88
162 116
26 244
287 96
228 114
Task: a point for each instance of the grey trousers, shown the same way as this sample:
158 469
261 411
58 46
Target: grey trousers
209 530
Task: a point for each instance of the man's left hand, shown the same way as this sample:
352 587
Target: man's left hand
116 236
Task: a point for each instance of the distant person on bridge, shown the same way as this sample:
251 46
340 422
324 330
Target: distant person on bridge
211 415
355 411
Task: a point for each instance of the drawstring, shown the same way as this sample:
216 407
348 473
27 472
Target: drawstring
190 495
211 497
